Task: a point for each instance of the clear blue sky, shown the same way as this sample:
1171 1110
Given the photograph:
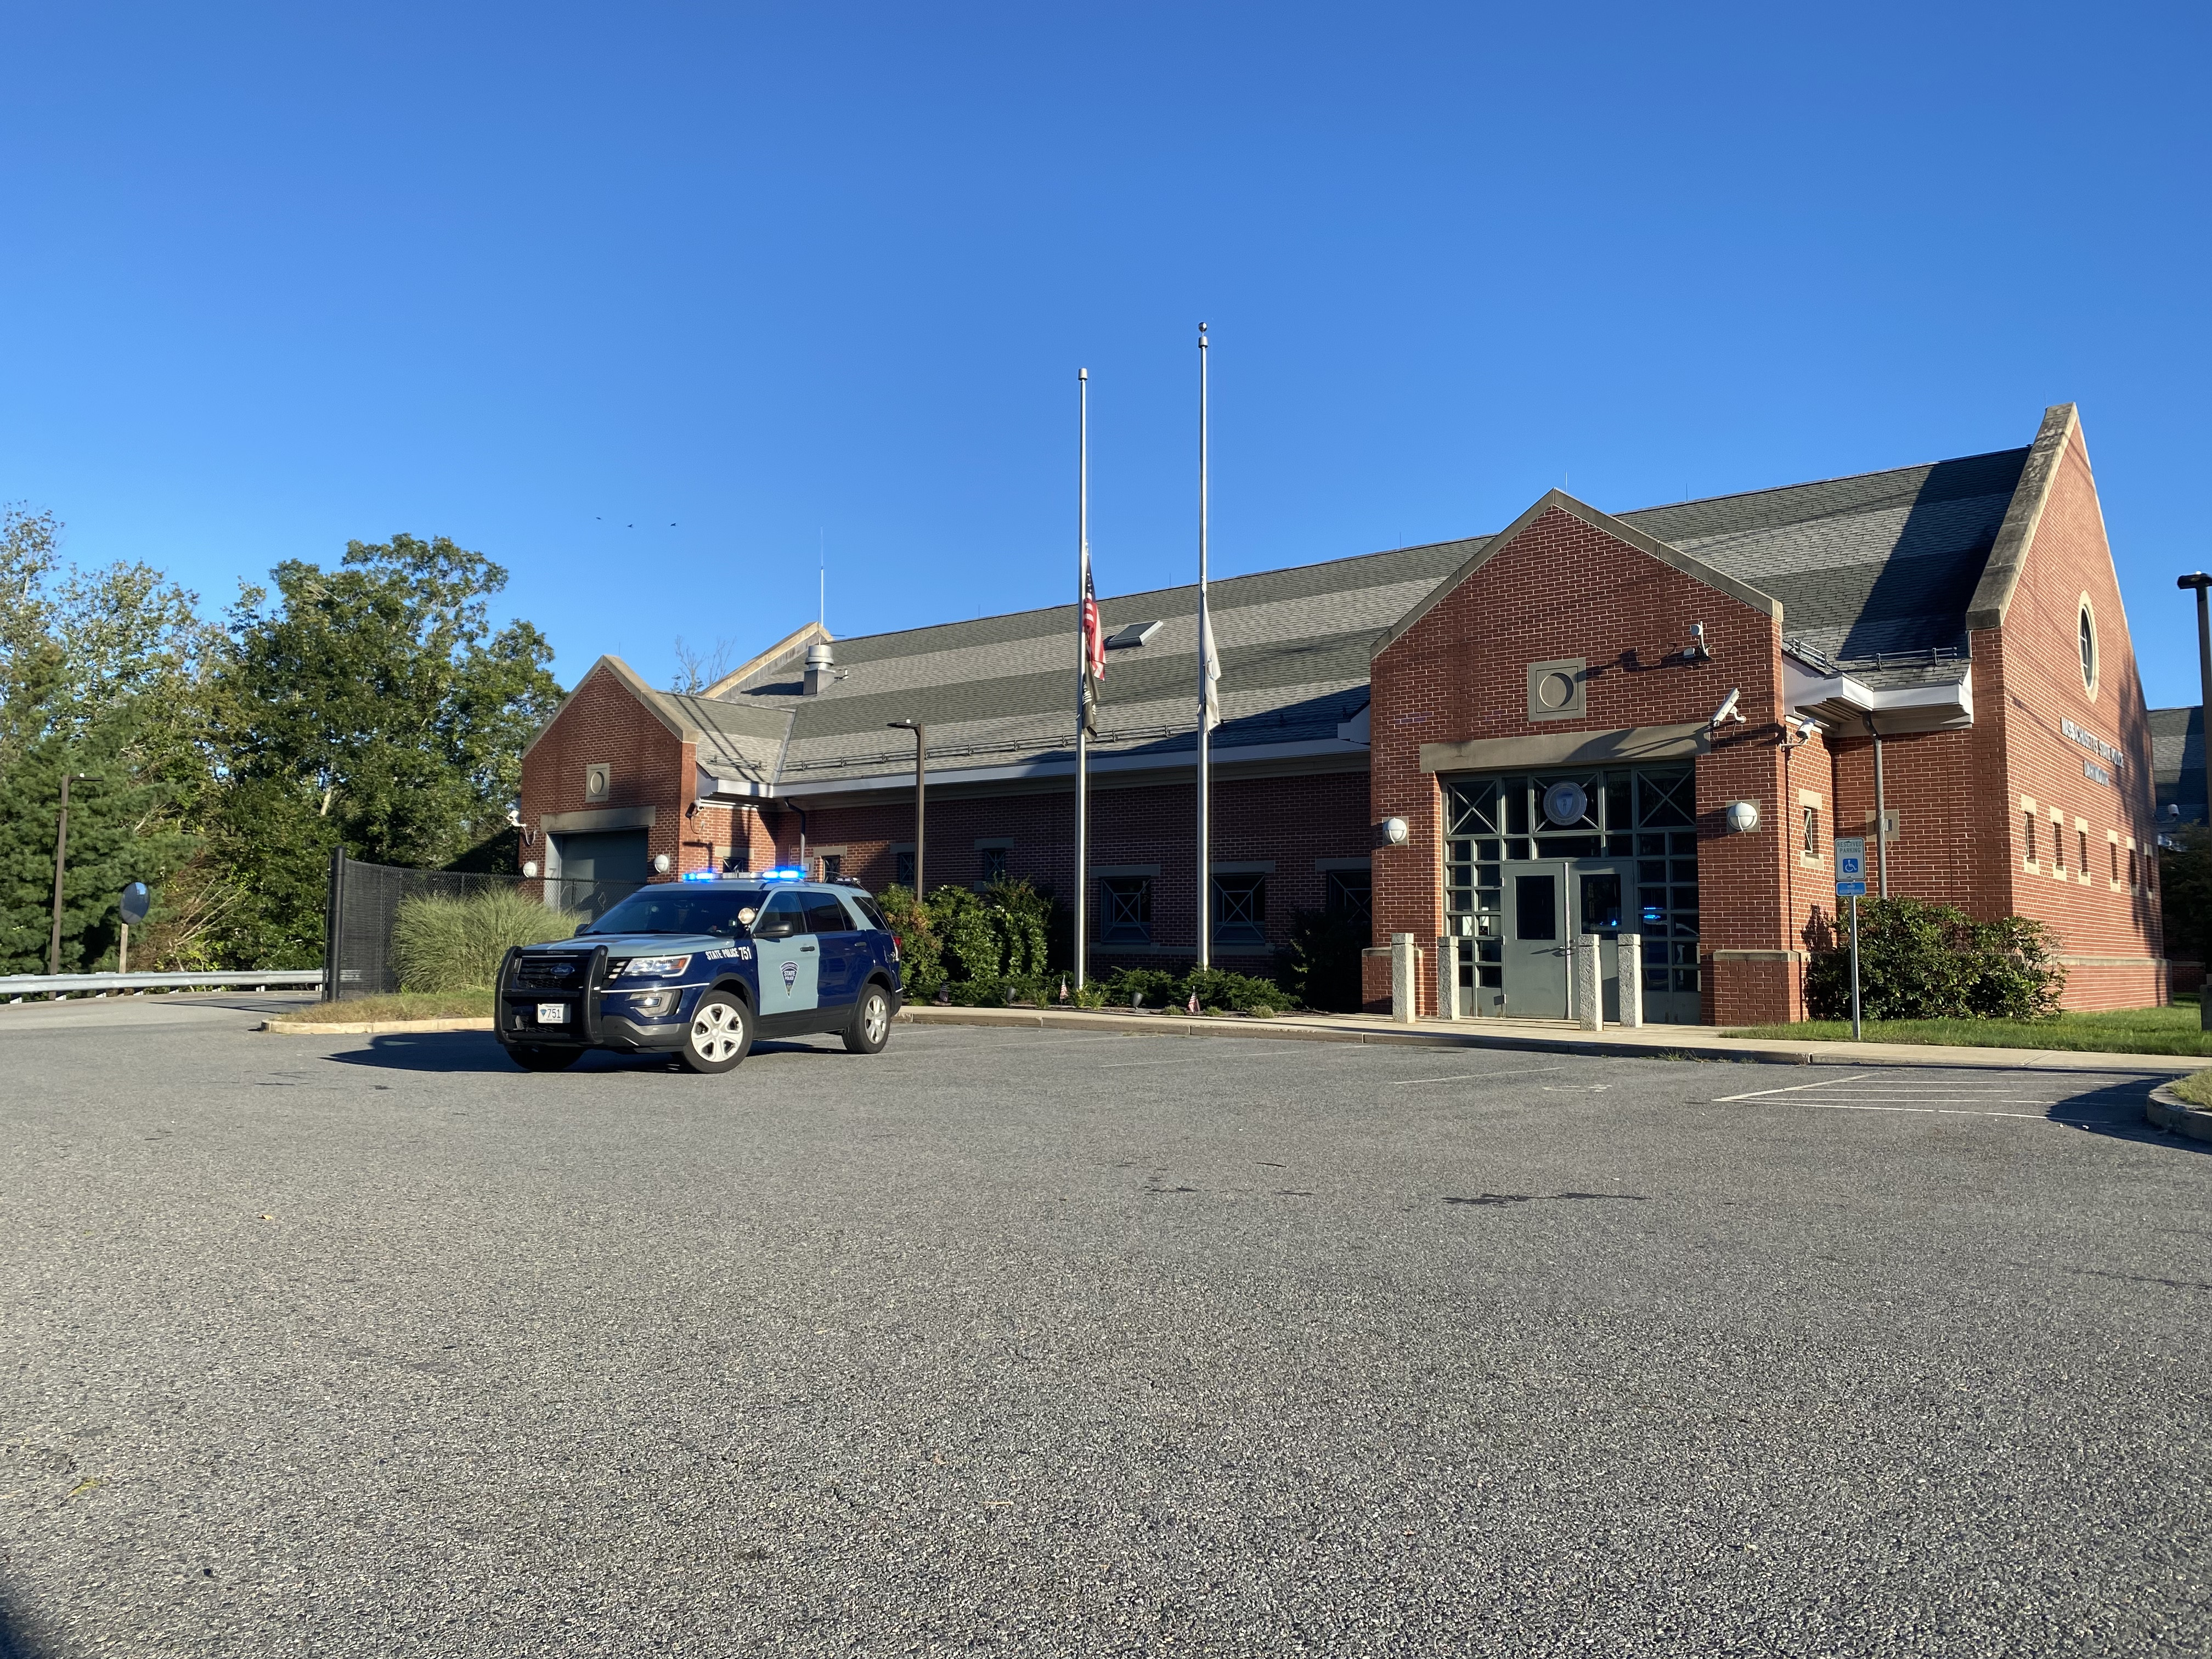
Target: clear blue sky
751 278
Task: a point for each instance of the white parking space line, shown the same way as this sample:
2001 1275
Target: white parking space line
1795 1088
1925 1111
1472 1077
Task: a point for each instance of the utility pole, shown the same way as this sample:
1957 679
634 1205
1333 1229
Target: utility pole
2200 581
61 863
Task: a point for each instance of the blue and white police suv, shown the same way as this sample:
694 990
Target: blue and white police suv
699 967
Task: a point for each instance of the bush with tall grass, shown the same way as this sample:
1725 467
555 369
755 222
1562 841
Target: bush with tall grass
455 943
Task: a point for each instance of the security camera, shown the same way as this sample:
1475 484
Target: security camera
1801 728
1698 650
1726 712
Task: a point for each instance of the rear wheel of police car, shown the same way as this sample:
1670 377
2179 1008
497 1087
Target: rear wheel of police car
872 1022
720 1033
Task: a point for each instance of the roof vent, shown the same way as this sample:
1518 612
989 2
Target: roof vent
1134 634
819 671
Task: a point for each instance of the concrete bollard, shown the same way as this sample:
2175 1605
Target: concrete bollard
1630 966
1447 977
1404 979
1590 984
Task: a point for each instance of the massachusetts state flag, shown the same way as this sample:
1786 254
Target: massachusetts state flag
1210 668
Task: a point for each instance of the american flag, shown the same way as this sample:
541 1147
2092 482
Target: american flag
1093 649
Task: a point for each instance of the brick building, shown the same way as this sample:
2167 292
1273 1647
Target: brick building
1502 742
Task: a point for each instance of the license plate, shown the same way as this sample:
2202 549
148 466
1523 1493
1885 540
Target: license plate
552 1013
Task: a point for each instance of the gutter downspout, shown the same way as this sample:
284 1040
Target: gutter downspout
1880 813
801 811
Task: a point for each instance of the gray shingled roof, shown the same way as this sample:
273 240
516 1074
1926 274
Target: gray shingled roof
2177 761
1880 565
1874 573
1294 647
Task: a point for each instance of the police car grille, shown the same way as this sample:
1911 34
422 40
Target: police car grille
552 973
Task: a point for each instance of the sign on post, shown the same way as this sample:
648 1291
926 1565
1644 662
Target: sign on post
1850 866
1850 883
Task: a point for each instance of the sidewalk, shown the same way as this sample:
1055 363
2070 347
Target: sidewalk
1549 1036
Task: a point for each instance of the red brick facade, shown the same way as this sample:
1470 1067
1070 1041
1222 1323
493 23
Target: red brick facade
1566 582
1562 587
1290 824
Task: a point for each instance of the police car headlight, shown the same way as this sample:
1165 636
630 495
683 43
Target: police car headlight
653 1002
655 967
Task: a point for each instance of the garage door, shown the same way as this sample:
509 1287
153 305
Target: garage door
599 871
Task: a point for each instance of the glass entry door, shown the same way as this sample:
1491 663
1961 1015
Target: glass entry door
1635 824
1535 943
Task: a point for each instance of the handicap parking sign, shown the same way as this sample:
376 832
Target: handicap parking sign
1850 866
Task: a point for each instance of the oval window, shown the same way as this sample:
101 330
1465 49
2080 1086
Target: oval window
2088 648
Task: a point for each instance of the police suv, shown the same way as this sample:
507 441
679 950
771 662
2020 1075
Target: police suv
700 967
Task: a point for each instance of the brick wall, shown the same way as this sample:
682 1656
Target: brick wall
2114 924
1291 821
1565 588
603 721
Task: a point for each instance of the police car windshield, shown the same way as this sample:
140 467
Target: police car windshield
676 908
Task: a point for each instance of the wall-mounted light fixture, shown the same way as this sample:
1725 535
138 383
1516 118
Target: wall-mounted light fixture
1742 817
1395 830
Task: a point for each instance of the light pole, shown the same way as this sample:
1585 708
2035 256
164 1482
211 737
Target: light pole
61 863
2200 581
920 789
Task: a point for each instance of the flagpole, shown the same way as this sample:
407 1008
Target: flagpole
1082 673
1205 694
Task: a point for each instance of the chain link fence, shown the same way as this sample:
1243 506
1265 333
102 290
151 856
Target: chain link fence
363 906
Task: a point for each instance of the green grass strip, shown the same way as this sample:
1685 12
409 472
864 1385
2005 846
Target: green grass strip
2172 1030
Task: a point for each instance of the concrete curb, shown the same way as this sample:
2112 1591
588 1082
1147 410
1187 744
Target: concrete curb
2167 1111
1650 1043
368 1027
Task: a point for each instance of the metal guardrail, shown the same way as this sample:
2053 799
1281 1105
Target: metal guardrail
16 987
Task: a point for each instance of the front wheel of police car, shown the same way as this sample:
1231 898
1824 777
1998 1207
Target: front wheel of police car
720 1035
872 1022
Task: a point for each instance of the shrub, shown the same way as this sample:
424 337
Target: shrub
455 943
973 944
1320 965
921 958
1216 989
1932 962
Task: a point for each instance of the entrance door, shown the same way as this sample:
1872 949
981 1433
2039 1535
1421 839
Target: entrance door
1602 893
1535 954
790 960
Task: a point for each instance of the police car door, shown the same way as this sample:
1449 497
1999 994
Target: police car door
834 931
789 956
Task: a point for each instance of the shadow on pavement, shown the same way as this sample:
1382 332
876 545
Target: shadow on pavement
2115 1107
478 1051
15 1639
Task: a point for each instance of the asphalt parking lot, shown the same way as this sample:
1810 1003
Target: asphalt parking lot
1045 1343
